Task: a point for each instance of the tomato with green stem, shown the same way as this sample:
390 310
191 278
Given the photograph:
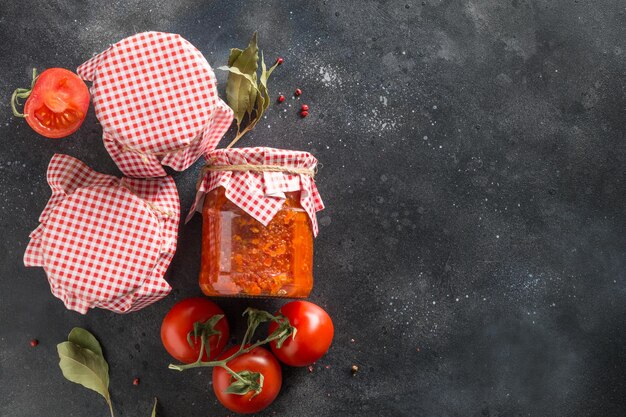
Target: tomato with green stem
258 366
247 378
56 103
312 337
193 326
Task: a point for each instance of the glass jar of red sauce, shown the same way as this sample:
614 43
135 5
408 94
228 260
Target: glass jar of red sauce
241 256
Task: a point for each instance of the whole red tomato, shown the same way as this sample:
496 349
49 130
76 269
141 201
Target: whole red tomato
257 360
57 104
314 334
179 322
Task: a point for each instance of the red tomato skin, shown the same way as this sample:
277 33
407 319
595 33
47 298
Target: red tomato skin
59 93
313 338
257 360
179 322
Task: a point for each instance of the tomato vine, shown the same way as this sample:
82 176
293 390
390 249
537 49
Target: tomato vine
243 381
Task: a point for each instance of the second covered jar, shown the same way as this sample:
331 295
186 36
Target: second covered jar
258 209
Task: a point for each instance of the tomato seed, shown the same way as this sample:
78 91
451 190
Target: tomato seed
304 107
297 92
304 113
281 98
136 381
310 368
34 342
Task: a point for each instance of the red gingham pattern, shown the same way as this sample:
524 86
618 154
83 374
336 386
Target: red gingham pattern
261 194
155 96
105 242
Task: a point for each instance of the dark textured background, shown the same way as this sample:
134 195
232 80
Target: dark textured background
473 244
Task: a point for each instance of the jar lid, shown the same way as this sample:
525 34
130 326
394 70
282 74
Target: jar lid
256 180
155 96
105 242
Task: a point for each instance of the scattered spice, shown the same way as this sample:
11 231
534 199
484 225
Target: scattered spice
136 381
351 340
354 369
304 113
281 98
297 92
304 107
34 342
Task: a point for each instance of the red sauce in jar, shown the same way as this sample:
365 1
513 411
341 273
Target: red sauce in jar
241 257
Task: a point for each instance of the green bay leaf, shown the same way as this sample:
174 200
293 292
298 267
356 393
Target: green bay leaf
238 87
154 409
234 54
85 339
253 95
263 98
85 367
246 92
265 75
234 70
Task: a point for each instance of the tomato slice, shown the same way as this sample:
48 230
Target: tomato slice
57 104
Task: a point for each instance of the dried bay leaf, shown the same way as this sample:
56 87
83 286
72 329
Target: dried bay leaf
234 54
263 98
249 99
84 339
235 70
238 87
253 95
154 409
81 362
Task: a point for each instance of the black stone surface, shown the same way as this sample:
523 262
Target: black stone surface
472 252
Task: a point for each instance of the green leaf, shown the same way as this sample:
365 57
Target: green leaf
84 339
253 95
238 89
247 93
154 409
234 70
245 382
265 75
85 367
263 98
234 54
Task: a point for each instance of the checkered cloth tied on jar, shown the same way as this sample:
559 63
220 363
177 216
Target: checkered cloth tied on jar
103 241
155 96
261 193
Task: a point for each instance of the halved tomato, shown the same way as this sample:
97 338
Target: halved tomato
57 103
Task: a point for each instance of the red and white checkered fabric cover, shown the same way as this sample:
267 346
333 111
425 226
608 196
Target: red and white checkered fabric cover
261 194
103 241
155 96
